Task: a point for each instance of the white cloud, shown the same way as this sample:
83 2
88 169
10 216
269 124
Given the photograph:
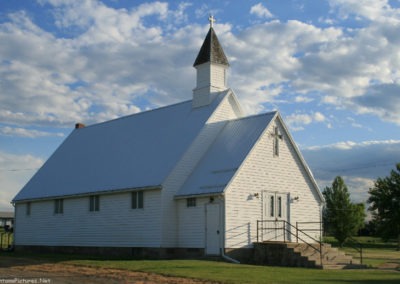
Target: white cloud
15 171
29 133
369 9
260 11
115 61
298 120
302 99
359 162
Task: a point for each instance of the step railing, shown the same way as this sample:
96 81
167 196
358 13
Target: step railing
357 246
317 227
287 229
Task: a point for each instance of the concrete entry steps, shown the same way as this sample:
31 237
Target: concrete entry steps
303 255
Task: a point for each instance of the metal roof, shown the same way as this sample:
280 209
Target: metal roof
225 156
136 151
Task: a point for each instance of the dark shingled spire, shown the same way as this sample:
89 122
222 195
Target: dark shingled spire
211 51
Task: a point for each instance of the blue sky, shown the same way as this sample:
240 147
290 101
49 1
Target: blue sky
331 67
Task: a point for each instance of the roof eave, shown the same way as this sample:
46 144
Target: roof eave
103 192
211 194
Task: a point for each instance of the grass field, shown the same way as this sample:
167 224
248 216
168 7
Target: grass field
234 273
224 272
376 253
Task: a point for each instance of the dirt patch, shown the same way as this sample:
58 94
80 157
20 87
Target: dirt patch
26 270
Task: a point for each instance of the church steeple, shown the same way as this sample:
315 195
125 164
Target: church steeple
211 65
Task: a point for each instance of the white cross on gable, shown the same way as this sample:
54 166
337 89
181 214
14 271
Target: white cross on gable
212 20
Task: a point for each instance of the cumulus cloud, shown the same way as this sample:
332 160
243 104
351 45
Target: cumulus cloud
260 11
101 73
28 133
359 162
297 121
368 9
15 171
113 62
382 100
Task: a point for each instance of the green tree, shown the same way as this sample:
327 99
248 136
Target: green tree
344 217
384 200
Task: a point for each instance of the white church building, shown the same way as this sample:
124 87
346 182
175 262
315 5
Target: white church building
190 179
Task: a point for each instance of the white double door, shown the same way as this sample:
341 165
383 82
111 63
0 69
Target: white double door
275 213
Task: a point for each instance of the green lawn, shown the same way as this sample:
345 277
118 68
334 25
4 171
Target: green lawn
375 251
226 272
234 273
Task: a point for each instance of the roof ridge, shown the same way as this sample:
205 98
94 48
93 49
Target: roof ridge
136 114
255 115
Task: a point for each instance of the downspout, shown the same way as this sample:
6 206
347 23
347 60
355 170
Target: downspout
224 256
230 259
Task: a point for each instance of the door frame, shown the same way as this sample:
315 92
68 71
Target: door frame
280 204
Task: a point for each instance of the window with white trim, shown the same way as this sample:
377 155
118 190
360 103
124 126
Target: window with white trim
58 206
137 200
94 203
271 206
28 209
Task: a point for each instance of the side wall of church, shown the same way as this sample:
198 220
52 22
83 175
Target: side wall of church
116 224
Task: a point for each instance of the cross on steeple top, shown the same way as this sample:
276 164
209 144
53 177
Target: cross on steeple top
212 20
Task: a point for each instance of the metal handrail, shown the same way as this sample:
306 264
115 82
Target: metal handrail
359 248
291 233
353 242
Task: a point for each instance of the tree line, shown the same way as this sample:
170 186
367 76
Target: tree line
343 219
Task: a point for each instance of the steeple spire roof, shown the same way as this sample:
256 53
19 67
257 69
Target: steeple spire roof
211 50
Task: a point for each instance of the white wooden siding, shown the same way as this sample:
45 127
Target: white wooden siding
192 224
262 171
115 225
203 74
217 77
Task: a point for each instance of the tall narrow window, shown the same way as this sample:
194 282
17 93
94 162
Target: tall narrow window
276 141
58 206
271 206
94 203
137 200
28 208
279 206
